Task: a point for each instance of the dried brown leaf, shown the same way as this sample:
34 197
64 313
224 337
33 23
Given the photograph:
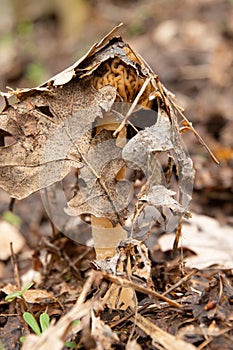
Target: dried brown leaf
151 143
50 130
160 196
38 296
99 192
211 242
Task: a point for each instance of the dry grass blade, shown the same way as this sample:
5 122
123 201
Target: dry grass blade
134 104
166 340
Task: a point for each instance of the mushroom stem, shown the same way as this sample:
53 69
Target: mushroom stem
106 237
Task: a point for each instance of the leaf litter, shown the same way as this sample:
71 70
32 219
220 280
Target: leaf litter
67 108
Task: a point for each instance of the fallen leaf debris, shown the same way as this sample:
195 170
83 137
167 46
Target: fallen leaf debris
97 109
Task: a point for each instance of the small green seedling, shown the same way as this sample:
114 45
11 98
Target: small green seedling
19 294
44 322
31 321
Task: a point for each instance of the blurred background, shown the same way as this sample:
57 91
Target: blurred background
188 43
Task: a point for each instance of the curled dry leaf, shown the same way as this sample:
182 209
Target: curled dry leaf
159 139
160 196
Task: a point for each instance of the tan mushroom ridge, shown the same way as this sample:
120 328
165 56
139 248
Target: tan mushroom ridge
125 79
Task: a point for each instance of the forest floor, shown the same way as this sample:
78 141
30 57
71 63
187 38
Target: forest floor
189 304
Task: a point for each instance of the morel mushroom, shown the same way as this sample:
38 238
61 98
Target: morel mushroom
110 117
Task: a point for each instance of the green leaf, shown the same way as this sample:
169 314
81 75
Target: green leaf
70 344
25 27
44 321
75 323
10 297
22 339
35 72
12 218
31 321
29 285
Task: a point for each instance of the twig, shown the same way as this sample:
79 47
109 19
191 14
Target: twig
12 203
135 102
220 287
184 279
209 340
86 288
125 318
71 265
15 266
20 305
